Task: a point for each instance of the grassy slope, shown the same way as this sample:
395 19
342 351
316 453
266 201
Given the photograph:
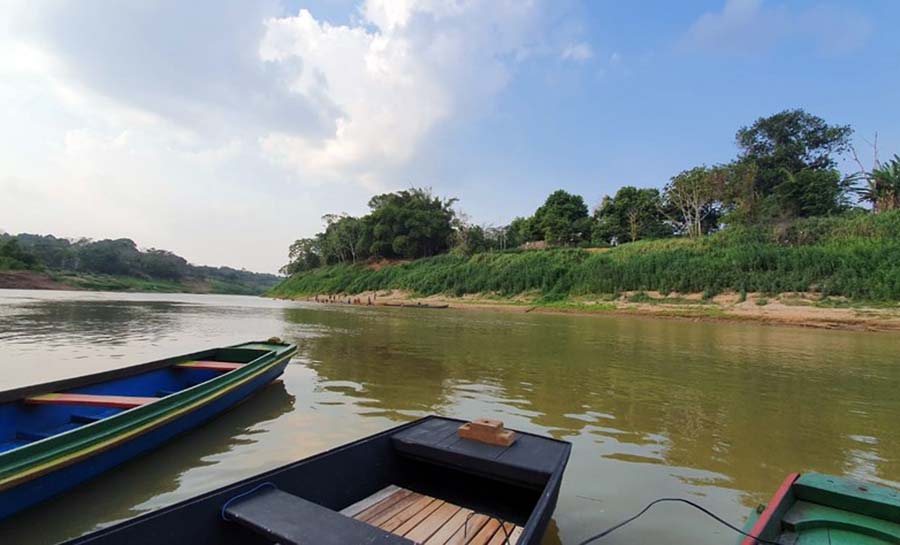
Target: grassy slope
855 256
100 282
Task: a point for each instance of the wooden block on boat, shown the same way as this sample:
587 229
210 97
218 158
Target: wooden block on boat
485 430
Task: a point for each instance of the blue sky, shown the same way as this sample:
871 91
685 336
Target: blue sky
225 130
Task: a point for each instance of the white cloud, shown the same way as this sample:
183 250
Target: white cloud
579 52
752 26
222 130
406 67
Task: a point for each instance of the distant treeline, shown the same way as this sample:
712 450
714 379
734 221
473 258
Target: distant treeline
785 170
855 255
119 257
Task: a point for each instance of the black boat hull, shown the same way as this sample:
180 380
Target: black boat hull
337 478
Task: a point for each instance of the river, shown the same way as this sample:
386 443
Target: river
714 412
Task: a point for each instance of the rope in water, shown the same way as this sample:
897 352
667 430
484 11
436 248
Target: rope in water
709 513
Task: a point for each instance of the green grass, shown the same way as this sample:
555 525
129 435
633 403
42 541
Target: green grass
855 256
101 282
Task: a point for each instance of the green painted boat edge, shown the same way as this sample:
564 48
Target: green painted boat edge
815 501
21 461
805 517
850 495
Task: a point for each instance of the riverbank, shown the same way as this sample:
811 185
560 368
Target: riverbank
787 309
36 280
846 270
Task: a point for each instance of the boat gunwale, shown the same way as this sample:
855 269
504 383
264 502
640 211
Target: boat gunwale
21 461
803 488
538 511
776 505
14 394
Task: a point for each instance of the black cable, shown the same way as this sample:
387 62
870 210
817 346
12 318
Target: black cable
612 529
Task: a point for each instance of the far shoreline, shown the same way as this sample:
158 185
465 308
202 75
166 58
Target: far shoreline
787 309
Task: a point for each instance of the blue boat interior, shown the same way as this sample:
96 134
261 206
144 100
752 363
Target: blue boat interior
34 418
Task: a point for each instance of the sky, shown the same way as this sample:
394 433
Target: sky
223 130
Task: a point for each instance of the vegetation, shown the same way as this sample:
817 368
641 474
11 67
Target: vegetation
780 217
855 256
13 257
633 214
120 265
407 224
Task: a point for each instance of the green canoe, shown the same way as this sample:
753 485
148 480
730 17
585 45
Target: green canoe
814 509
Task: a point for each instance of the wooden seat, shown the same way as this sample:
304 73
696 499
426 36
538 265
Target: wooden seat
210 365
431 521
285 518
90 400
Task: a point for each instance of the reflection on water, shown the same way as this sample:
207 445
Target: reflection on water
719 412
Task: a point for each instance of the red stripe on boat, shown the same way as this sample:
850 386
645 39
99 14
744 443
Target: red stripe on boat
773 504
211 365
90 400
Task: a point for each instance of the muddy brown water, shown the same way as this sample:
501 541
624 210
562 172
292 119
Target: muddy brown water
714 412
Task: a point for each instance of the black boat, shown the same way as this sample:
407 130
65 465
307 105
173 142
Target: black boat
433 481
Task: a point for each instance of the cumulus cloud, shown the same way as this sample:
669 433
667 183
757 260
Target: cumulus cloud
157 111
579 52
403 69
753 26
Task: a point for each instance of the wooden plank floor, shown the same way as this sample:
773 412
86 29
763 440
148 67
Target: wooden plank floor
431 521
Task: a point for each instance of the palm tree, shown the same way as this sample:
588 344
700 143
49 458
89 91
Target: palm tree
882 187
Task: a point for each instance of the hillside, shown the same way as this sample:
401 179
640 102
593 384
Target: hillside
47 262
855 256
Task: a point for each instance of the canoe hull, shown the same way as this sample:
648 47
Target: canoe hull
52 484
342 476
138 435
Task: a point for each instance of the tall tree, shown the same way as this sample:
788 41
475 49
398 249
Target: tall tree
412 223
304 255
562 219
791 151
630 215
347 238
692 199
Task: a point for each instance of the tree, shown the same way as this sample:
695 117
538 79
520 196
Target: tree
470 239
519 231
411 224
883 186
304 255
163 264
692 199
562 219
115 257
346 238
781 147
882 181
631 215
13 256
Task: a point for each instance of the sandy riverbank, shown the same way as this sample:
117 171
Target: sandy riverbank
789 309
